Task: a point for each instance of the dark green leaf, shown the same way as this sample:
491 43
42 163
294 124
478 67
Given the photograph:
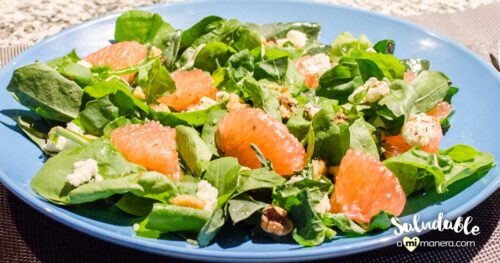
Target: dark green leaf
144 27
43 90
211 228
192 149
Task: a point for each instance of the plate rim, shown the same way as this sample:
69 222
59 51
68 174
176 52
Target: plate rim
383 239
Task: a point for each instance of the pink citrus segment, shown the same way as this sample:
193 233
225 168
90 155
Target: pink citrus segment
119 55
441 110
242 127
191 86
151 145
409 76
364 187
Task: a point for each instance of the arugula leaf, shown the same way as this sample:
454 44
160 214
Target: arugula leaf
192 149
281 70
297 124
213 55
35 129
171 51
309 228
93 191
170 218
385 46
98 113
190 118
210 128
272 52
211 227
50 182
396 107
144 27
261 97
347 226
362 138
135 205
274 70
105 87
418 170
189 35
223 174
68 67
42 89
379 65
331 140
431 87
243 207
71 57
346 44
159 187
316 189
155 80
261 178
340 81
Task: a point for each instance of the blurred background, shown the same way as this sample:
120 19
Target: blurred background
24 22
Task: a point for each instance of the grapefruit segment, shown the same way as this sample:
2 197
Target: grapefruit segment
364 187
119 56
441 110
151 145
191 86
242 127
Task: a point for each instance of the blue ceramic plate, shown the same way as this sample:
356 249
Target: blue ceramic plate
476 122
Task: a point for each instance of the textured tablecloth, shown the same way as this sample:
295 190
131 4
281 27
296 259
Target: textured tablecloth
28 236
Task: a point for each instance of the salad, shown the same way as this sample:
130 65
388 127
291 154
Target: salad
226 122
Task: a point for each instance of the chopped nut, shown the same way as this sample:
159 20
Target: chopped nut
274 220
188 201
159 107
288 105
319 168
139 93
340 117
310 110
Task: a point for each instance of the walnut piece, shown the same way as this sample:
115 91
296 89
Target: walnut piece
274 220
188 201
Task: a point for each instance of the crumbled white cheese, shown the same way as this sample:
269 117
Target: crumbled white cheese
297 38
56 143
311 110
84 63
323 206
316 65
375 90
208 194
205 103
138 93
370 49
419 129
84 172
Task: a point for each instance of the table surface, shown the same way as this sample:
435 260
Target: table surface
28 236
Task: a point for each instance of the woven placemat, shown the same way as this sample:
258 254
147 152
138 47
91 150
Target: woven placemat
28 236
